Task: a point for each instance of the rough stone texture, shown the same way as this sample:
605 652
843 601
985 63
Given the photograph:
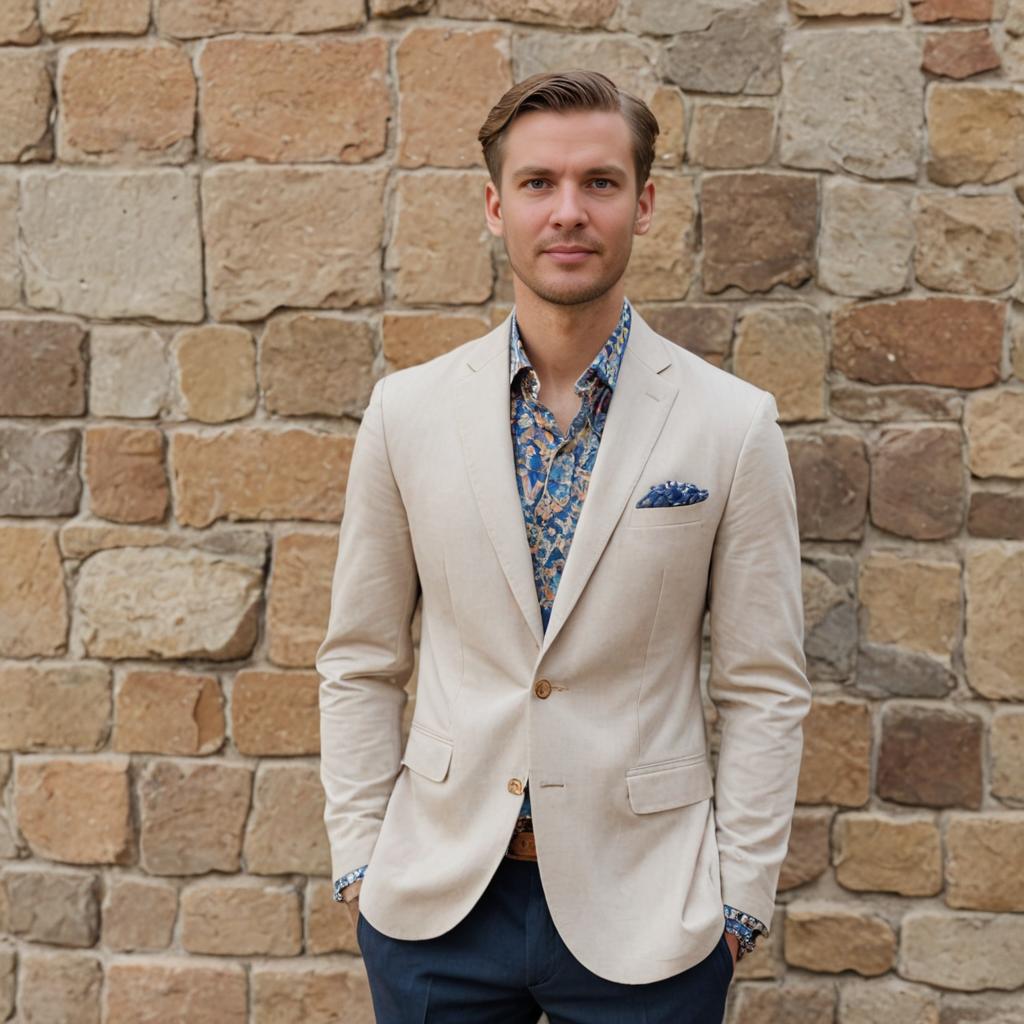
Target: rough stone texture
929 11
128 372
982 862
877 853
975 134
39 471
412 338
789 1003
440 242
124 467
959 54
783 350
277 100
662 263
759 230
908 770
18 24
192 816
1007 744
867 239
168 713
965 952
10 269
112 243
831 938
216 372
252 473
830 473
54 707
447 83
74 810
59 987
967 243
992 1008
310 995
994 638
275 713
44 368
161 603
33 602
138 915
725 136
80 538
912 603
59 908
951 342
189 19
808 855
996 513
845 103
240 920
299 601
836 766
292 236
63 18
26 98
575 13
830 617
286 825
312 365
126 103
864 1002
994 423
329 928
891 672
180 992
703 328
876 404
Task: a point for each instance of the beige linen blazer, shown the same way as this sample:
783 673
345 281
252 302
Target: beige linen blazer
637 846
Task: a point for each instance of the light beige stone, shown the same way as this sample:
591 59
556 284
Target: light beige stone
975 133
447 82
94 17
59 987
253 473
216 372
112 243
788 1003
128 372
33 600
180 992
10 270
275 713
727 136
56 907
871 1002
138 915
25 104
168 713
286 832
307 994
54 707
963 952
1014 21
330 928
783 350
192 19
411 338
867 239
126 103
831 937
994 424
575 13
18 24
994 639
843 8
877 853
440 245
316 365
77 811
240 920
846 102
157 602
277 99
667 105
983 862
663 260
1007 743
299 600
292 236
81 538
836 765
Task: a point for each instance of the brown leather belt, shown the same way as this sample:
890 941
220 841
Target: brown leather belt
522 845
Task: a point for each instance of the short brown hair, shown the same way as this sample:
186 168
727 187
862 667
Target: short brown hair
569 90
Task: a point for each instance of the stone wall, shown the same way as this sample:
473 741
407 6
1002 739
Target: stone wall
220 222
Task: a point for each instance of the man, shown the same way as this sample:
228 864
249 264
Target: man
568 495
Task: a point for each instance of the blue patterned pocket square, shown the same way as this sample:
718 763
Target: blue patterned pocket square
672 492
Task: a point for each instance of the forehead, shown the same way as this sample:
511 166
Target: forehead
568 141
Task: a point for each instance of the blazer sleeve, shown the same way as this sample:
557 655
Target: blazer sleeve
758 679
366 658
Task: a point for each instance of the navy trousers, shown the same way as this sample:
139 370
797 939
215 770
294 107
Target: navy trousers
504 963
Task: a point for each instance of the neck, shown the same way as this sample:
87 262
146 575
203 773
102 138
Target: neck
562 341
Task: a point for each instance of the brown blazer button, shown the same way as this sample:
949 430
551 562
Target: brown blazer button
515 786
542 688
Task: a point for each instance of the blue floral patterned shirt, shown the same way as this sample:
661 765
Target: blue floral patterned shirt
553 472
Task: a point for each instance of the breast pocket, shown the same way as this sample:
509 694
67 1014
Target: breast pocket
668 515
661 785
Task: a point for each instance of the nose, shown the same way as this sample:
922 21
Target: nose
568 210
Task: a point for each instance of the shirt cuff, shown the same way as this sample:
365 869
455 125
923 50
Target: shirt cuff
340 883
745 927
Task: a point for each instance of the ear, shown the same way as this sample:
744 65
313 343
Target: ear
644 209
492 210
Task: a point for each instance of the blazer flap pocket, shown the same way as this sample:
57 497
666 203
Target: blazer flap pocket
427 754
659 787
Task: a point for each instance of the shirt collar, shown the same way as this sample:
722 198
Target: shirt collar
605 365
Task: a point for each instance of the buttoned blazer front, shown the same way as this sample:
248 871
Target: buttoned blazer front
638 845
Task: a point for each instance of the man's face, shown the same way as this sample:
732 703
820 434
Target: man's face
568 205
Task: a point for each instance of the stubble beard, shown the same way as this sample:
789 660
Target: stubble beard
572 293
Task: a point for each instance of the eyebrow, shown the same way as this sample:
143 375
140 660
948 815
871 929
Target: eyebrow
606 171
